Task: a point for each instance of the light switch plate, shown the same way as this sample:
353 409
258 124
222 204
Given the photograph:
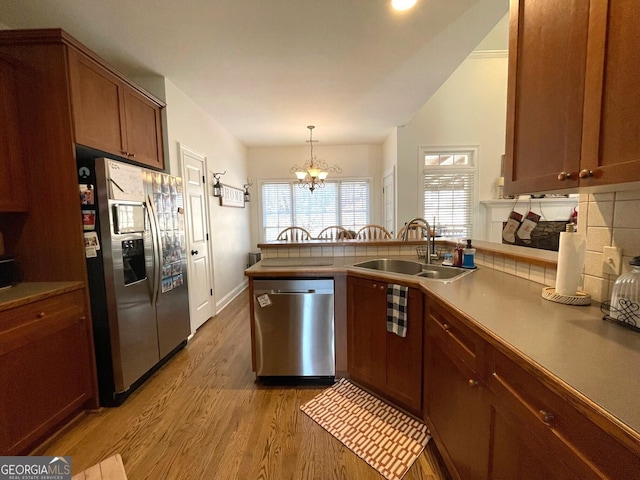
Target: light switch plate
612 260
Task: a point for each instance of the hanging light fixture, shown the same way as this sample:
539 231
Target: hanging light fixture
313 173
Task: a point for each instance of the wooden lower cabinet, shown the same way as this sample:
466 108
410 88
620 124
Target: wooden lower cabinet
382 361
494 415
45 369
516 453
456 409
455 403
559 434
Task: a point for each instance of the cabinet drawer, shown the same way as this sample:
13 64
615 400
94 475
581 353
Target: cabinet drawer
584 446
458 337
31 322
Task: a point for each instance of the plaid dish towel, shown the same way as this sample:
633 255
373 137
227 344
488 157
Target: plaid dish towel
397 309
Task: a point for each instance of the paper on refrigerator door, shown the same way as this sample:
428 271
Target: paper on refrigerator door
126 182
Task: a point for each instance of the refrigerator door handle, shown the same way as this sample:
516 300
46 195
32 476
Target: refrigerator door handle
157 251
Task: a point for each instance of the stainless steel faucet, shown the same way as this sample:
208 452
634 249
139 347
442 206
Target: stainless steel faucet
405 235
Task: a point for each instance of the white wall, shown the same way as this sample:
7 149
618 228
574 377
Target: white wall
270 163
188 124
469 109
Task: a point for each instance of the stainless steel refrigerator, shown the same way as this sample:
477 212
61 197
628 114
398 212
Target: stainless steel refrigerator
135 250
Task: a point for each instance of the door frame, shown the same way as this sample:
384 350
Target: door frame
182 149
389 174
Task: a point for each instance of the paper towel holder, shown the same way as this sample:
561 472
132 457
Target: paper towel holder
579 299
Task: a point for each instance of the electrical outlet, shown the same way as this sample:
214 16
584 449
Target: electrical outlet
612 260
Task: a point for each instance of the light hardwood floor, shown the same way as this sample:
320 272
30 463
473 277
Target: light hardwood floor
202 416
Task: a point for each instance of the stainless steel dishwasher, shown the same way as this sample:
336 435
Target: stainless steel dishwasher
294 327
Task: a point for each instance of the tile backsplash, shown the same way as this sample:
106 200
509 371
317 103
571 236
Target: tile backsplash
610 219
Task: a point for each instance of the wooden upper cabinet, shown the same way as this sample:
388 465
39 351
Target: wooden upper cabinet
547 55
144 129
573 103
97 103
110 115
611 138
13 196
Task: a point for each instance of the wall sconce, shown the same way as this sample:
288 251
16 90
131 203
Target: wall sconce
247 195
217 187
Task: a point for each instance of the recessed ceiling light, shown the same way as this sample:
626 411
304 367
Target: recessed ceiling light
403 4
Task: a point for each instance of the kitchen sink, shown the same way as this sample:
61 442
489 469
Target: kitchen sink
410 267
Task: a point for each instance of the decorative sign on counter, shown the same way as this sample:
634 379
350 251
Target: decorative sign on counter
232 197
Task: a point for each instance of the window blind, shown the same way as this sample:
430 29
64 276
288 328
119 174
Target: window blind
354 204
339 202
448 197
314 211
276 209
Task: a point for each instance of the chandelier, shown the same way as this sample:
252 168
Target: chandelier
313 173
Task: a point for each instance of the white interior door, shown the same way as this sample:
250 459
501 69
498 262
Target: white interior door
201 300
388 201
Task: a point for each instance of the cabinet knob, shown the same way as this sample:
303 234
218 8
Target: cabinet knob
194 252
546 417
131 155
562 176
41 315
446 327
381 287
585 173
473 383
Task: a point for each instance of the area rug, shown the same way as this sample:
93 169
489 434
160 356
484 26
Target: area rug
385 438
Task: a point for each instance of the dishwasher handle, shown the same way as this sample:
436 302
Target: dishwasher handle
293 292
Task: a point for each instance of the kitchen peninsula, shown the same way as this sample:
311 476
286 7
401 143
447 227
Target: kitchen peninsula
530 381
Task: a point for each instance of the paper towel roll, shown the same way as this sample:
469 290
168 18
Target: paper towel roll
570 262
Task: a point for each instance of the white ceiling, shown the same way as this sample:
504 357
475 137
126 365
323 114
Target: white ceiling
265 69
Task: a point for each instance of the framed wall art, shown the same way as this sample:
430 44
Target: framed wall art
232 197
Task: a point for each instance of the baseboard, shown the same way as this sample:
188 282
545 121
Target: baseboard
229 297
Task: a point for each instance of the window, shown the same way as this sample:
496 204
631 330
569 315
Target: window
340 202
448 185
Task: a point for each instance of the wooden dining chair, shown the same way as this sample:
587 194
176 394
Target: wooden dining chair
294 234
373 232
335 233
415 231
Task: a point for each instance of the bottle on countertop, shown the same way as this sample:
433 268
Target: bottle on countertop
448 260
457 256
469 256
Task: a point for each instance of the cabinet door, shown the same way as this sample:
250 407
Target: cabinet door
13 197
404 358
144 130
611 139
572 440
517 453
547 57
97 102
46 360
367 331
456 410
